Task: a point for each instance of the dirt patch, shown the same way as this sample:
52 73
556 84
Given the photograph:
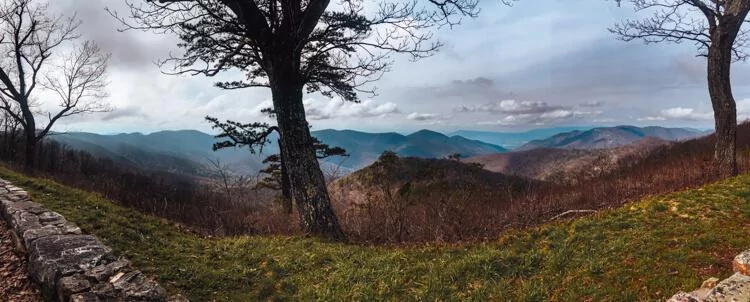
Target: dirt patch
15 284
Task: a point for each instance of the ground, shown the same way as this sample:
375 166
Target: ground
15 284
644 251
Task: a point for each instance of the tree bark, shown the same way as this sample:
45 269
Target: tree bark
722 100
30 142
305 176
286 189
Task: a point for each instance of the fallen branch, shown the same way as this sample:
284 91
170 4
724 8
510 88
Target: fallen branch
568 212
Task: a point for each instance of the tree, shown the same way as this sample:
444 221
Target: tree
292 47
255 136
716 28
29 37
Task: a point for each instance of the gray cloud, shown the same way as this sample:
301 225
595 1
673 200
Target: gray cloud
416 116
129 49
324 109
592 104
119 113
511 107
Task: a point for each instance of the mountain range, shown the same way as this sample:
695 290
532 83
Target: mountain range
513 140
610 137
190 152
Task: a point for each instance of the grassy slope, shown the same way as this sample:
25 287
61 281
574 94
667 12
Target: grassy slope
645 251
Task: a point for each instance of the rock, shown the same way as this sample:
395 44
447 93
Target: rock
106 292
710 283
135 286
734 288
84 297
177 298
56 256
12 207
51 218
741 263
67 286
683 297
70 266
104 272
68 228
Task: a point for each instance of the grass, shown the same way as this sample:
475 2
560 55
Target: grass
644 251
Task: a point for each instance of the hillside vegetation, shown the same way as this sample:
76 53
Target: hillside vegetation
646 250
567 166
377 208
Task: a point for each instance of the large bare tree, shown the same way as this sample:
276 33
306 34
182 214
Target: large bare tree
297 46
33 43
715 26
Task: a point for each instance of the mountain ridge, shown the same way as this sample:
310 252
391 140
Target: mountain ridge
190 151
610 137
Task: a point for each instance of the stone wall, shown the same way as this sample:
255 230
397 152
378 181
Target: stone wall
735 288
69 265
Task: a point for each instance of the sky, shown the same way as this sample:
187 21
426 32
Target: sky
537 64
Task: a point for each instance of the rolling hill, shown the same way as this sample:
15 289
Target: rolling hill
512 140
189 151
566 166
610 137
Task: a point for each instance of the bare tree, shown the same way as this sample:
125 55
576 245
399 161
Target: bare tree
716 29
296 46
29 37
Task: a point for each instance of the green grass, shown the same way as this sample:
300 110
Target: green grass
643 251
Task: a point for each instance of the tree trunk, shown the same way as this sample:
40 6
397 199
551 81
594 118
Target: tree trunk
720 91
307 182
30 144
286 189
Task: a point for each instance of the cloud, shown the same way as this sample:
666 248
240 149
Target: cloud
546 118
416 116
119 113
335 109
679 113
592 104
511 107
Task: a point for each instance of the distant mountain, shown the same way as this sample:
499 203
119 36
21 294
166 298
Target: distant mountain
189 152
610 137
184 151
567 166
512 140
364 148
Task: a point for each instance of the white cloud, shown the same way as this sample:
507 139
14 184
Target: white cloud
416 116
679 113
510 107
334 109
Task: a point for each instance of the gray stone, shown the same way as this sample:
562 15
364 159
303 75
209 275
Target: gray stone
70 285
51 218
134 286
56 256
70 266
11 207
106 292
84 297
734 288
23 221
105 272
683 297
